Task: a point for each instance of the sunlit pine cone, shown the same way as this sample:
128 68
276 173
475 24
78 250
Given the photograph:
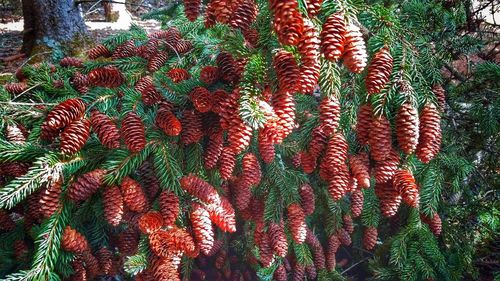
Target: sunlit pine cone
6 222
169 207
128 242
359 171
209 74
313 7
384 170
133 195
357 199
354 56
73 241
16 88
252 173
178 74
434 223
91 264
440 94
288 22
266 149
324 169
380 138
192 9
223 215
191 127
333 36
165 242
296 222
148 91
287 71
202 228
213 150
74 136
80 82
71 62
244 15
150 222
125 50
265 250
228 109
227 67
329 114
14 134
379 71
50 198
277 237
333 245
201 99
105 258
280 273
338 183
299 272
107 76
363 124
183 46
157 61
85 185
113 205
429 142
98 51
389 198
370 238
106 129
200 189
65 113
167 121
407 131
227 163
405 183
284 107
167 268
307 199
242 195
308 48
133 132
336 151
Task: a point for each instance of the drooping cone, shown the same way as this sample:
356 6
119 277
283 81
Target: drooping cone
133 132
265 249
202 228
338 183
344 237
440 94
266 149
251 170
15 134
317 250
91 264
79 271
313 7
239 135
355 57
183 46
287 71
106 129
113 205
333 245
333 36
329 114
107 76
309 56
370 238
311 271
74 137
213 150
227 67
336 151
319 139
192 9
169 207
133 195
85 185
98 51
73 241
284 107
209 74
223 215
379 71
389 197
407 131
201 99
166 268
191 127
50 198
80 82
299 272
165 242
385 170
280 273
65 113
434 223
359 171
277 237
218 244
296 222
244 15
178 74
105 258
242 195
348 223
405 183
429 142
227 163
200 189
288 22
357 199
380 138
128 241
150 222
363 124
307 199
167 121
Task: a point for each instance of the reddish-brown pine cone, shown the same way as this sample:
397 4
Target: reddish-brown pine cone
338 184
379 71
128 241
277 237
191 127
14 169
407 130
165 242
223 215
251 36
440 94
147 177
333 36
319 139
192 9
80 82
324 169
227 109
288 22
287 71
113 205
310 65
145 275
214 149
299 272
329 114
363 124
73 241
167 268
251 169
65 113
336 151
242 195
227 162
429 142
16 88
389 198
202 228
108 77
359 171
201 99
244 15
91 264
71 62
50 198
284 107
317 249
157 61
355 57
227 67
280 273
133 195
106 129
133 132
149 48
167 121
384 170
357 199
370 238
58 84
333 245
98 51
218 244
6 222
209 74
148 91
434 223
169 207
210 17
266 149
313 7
344 237
74 137
125 50
183 46
178 74
150 222
297 223
105 258
380 138
20 250
34 207
85 185
311 271
296 160
307 199
405 183
15 134
263 242
348 223
79 271
200 189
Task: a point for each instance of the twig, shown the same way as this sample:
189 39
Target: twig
115 2
455 72
28 59
26 103
354 265
27 90
91 7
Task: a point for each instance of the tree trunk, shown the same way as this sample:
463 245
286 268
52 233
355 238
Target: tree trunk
50 20
116 11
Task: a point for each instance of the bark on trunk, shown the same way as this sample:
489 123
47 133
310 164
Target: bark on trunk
116 11
57 20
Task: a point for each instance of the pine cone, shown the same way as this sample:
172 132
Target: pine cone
333 245
228 109
287 71
74 137
348 223
429 142
14 169
157 61
407 128
434 223
64 114
213 150
202 227
280 273
359 171
73 241
166 268
308 162
244 15
80 273
357 199
311 271
125 50
385 170
200 189
169 207
98 51
71 62
319 139
354 56
50 198
148 91
251 36
338 184
191 127
201 99
128 242
317 249
218 244
20 250
405 183
209 74
80 82
6 222
364 123
223 215
91 264
183 46
227 67
15 134
150 222
370 238
389 197
296 222
251 170
284 108
178 74
167 121
105 258
344 237
380 138
379 71
310 65
133 195
108 77
297 160
288 22
113 205
242 195
313 7
239 135
192 9
307 199
299 272
16 88
163 243
85 185
106 129
329 114
266 150
265 250
336 151
227 162
440 94
333 36
277 237
133 132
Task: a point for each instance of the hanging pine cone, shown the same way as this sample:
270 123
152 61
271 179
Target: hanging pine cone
308 162
178 74
380 138
74 137
133 132
80 273
85 185
16 88
370 238
169 207
440 94
6 222
183 46
296 160
336 151
73 241
405 183
287 71
284 107
288 22
296 222
192 9
20 250
379 71
363 124
251 36
191 127
227 67
80 82
354 55
266 150
299 272
311 271
201 99
128 241
407 130
228 109
359 171
313 7
357 199
244 15
98 51
307 199
385 170
214 150
106 130
164 243
113 205
333 36
150 222
200 189
319 140
133 195
434 223
227 162
265 250
71 62
329 114
277 237
223 215
242 195
280 273
14 134
202 227
65 113
252 173
108 77
317 249
310 65
209 74
105 258
125 50
50 198
91 264
339 182
344 237
348 223
389 197
429 142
